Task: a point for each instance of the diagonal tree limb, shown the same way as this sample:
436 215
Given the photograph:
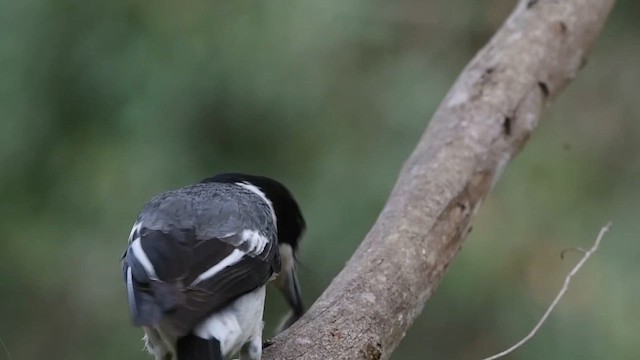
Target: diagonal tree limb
482 123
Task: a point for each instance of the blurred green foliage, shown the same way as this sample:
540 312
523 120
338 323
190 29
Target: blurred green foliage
105 104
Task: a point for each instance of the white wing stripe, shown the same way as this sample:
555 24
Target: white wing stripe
132 298
141 256
257 241
249 186
233 258
134 230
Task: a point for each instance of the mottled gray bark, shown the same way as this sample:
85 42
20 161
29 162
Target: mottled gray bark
481 124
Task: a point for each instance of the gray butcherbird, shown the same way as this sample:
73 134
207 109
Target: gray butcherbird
198 261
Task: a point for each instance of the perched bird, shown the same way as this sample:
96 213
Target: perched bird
199 258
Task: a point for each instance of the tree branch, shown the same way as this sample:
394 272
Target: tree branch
485 120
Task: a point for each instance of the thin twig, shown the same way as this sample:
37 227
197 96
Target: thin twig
561 293
5 349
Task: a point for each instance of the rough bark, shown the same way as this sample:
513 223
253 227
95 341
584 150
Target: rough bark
484 121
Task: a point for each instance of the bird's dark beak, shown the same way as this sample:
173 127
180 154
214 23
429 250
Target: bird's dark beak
287 284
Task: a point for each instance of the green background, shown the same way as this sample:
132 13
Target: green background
106 103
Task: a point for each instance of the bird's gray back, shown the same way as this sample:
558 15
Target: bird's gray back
212 210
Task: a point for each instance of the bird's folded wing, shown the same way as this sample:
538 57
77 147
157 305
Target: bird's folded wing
188 285
207 296
176 274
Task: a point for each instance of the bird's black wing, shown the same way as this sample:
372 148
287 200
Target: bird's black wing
195 250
